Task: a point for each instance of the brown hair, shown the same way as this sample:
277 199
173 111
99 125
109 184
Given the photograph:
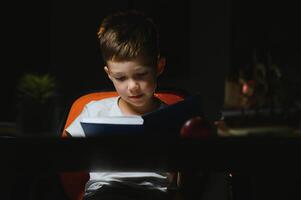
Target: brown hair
129 35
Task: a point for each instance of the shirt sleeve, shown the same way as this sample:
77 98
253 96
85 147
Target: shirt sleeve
75 129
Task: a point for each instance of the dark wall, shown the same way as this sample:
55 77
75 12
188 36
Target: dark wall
272 30
59 37
266 27
203 41
210 53
75 54
25 47
195 38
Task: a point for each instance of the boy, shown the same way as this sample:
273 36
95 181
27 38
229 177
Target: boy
130 49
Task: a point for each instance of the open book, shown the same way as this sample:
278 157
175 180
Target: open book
167 120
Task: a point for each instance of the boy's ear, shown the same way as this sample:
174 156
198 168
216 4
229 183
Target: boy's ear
107 71
161 65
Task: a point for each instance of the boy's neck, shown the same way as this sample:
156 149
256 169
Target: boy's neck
128 109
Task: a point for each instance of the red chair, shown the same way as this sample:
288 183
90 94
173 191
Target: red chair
74 182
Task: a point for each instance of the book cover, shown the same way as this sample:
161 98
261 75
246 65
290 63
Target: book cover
167 120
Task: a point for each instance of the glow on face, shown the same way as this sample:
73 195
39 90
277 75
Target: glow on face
134 82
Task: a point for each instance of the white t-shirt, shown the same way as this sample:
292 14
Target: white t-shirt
109 107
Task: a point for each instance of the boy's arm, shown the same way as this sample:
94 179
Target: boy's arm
75 129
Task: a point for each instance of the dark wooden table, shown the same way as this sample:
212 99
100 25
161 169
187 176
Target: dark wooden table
250 154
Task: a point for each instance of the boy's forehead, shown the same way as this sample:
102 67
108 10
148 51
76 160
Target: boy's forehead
125 66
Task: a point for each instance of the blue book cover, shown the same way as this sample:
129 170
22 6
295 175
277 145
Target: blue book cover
167 120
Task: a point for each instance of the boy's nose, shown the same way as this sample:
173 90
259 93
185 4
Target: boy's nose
133 86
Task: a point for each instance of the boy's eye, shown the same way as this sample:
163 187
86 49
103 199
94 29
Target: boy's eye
142 74
122 78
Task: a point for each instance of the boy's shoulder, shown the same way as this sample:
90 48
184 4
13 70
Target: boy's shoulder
107 102
102 107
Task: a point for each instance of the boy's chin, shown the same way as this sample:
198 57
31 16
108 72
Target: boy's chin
137 103
132 102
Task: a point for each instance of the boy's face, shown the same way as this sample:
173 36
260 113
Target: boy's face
134 82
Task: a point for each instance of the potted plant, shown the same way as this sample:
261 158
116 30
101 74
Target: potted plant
35 108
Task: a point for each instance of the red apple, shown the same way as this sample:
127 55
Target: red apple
195 127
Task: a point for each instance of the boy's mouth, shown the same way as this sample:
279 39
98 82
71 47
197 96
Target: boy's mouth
136 96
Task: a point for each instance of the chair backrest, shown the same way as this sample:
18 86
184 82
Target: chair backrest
74 182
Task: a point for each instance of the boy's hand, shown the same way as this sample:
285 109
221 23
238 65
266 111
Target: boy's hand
172 178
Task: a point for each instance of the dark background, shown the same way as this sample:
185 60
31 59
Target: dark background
204 42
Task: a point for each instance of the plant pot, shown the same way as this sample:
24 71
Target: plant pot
35 118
